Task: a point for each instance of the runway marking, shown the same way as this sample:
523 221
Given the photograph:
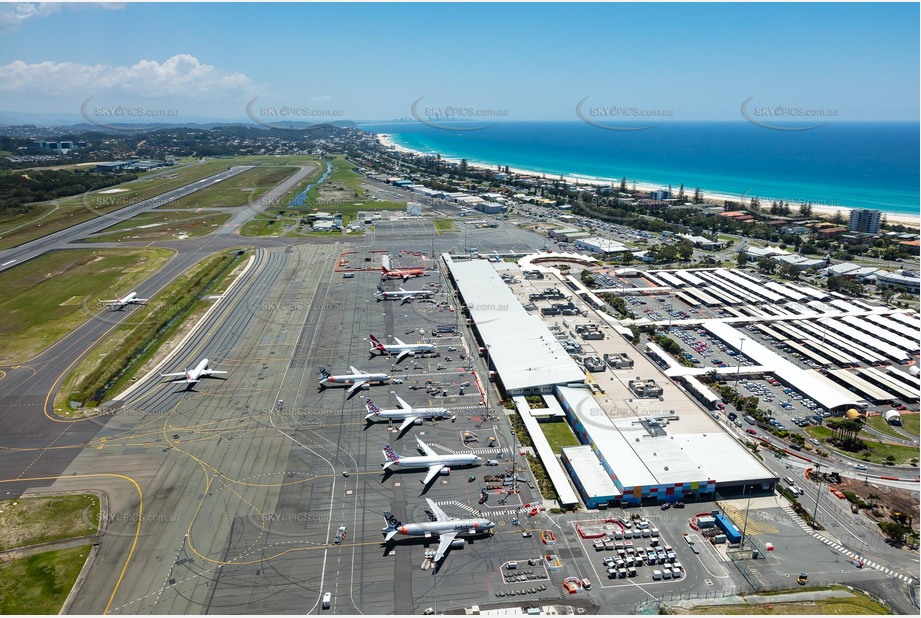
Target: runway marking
7 263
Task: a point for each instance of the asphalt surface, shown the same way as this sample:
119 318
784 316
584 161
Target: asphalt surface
58 240
223 500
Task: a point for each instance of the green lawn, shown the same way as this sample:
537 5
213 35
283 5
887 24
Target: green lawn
43 299
51 217
40 583
559 435
165 226
878 451
910 423
444 225
855 605
242 189
30 521
879 424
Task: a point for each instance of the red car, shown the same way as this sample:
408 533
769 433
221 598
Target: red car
750 431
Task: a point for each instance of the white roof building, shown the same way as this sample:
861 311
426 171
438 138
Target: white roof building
520 347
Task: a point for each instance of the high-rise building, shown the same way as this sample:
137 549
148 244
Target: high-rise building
864 221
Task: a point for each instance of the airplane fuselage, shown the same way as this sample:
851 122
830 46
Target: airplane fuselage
349 380
399 415
426 461
437 528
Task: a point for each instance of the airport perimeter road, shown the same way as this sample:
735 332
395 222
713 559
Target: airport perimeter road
57 240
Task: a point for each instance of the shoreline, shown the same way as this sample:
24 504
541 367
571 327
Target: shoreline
913 221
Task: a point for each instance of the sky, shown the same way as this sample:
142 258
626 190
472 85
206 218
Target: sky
684 61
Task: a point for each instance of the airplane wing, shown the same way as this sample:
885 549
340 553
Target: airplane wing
403 404
426 449
439 514
407 299
358 384
444 542
172 375
409 420
398 341
403 355
356 372
214 371
432 473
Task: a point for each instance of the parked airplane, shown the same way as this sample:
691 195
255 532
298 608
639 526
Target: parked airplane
402 350
118 303
436 464
405 413
401 273
444 527
406 296
355 380
194 375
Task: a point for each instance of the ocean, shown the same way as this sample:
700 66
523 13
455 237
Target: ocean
839 164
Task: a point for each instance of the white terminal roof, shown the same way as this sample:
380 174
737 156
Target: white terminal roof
640 460
592 475
520 346
605 245
816 386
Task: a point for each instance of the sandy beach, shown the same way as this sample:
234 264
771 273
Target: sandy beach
819 211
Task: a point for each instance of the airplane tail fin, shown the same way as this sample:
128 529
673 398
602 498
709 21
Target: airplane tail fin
393 525
372 407
377 344
391 455
324 373
384 270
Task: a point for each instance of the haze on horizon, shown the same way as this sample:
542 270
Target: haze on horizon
530 61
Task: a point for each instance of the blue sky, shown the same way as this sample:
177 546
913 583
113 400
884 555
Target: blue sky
530 61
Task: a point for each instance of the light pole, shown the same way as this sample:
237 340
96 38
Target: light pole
818 493
739 361
745 523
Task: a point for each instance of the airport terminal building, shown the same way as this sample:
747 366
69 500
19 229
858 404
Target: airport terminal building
643 439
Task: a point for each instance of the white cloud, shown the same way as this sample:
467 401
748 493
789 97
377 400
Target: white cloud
13 14
181 76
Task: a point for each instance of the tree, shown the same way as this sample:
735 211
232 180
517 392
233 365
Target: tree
805 209
685 249
754 205
741 259
766 265
623 184
681 192
698 196
838 217
789 271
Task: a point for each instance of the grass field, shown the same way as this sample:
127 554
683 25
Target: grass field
39 584
157 225
50 217
444 225
30 521
559 435
879 424
911 422
53 216
242 189
111 364
43 299
854 604
878 451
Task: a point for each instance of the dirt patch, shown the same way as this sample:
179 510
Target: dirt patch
887 500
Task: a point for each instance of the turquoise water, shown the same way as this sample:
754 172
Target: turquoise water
858 165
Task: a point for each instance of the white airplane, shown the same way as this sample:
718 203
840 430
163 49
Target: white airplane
194 375
404 296
405 413
436 464
444 527
402 350
118 303
355 380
